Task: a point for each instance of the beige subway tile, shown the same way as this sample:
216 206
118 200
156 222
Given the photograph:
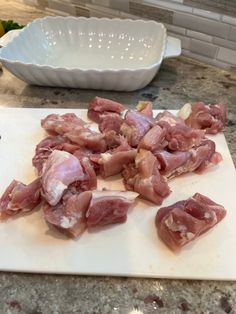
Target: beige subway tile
79 2
193 55
56 12
201 25
229 19
232 34
121 5
220 6
82 11
99 11
174 6
206 60
42 3
208 14
175 29
227 55
150 12
202 48
200 36
125 15
185 41
31 2
224 43
105 3
62 6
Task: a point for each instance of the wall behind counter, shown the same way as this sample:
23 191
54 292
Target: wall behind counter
207 29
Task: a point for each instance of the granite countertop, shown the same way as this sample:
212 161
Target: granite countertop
179 81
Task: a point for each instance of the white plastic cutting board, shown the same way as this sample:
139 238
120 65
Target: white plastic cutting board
130 249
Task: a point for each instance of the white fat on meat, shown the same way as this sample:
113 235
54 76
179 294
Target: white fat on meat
210 118
182 222
129 195
169 118
68 216
19 197
176 227
67 222
60 170
109 207
147 181
185 111
105 157
55 188
169 222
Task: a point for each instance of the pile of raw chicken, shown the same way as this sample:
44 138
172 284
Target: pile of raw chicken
147 151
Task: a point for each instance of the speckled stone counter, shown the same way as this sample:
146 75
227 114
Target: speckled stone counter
179 81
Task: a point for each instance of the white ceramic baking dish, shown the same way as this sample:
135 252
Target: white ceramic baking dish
110 54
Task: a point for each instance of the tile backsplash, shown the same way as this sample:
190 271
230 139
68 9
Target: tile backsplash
207 29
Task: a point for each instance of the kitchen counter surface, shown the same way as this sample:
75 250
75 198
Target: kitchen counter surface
179 81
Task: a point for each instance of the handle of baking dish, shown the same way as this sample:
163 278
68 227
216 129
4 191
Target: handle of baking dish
5 39
173 47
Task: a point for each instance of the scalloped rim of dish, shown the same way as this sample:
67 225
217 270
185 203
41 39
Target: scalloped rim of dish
51 67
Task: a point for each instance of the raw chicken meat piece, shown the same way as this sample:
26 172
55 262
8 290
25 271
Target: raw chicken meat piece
198 158
168 117
68 182
112 139
19 197
204 156
112 162
109 207
171 163
68 216
60 170
144 178
98 106
61 124
87 138
179 136
207 117
46 147
89 209
93 157
135 126
184 221
145 107
90 179
154 139
110 122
